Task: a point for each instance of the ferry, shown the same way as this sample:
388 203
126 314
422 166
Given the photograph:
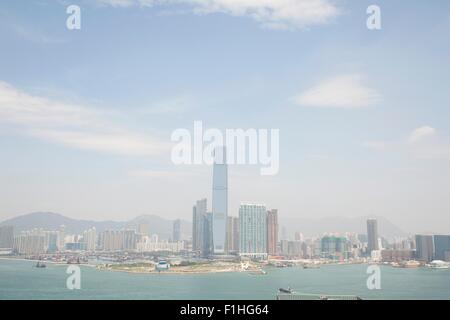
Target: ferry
408 264
289 294
438 264
288 290
311 266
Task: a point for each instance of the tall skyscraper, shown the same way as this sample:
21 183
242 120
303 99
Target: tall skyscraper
424 247
442 247
6 237
207 247
176 233
272 231
198 225
220 200
232 234
253 230
372 235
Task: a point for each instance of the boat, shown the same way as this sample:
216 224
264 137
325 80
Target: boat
289 294
40 264
409 264
438 264
288 290
259 272
311 266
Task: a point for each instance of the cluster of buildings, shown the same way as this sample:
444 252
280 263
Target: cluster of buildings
253 233
39 241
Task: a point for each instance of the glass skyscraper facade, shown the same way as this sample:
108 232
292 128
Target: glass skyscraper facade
372 235
198 224
424 247
442 247
253 230
220 201
272 231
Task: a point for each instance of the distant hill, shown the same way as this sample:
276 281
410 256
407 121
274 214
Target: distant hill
163 227
315 227
52 221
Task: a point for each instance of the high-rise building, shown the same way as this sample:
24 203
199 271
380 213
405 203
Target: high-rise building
198 224
61 237
51 241
334 247
207 247
442 247
6 237
424 247
112 240
143 228
372 235
90 239
176 232
31 242
298 236
272 231
220 200
253 230
232 234
129 239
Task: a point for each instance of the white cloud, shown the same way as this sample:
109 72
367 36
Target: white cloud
72 125
118 3
275 14
425 143
421 133
345 91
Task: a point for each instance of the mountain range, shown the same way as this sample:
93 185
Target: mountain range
53 221
163 227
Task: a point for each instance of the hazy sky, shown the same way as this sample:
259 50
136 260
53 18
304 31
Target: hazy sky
86 115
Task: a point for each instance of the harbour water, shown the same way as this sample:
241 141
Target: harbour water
21 280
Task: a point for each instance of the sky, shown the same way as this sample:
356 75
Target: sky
86 115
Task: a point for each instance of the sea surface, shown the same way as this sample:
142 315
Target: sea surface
21 280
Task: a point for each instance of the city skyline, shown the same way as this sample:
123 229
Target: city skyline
86 115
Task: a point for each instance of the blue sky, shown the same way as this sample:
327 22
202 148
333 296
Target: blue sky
86 115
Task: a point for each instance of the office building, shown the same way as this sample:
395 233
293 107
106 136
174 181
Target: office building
220 200
198 224
424 248
442 247
253 230
176 232
372 235
272 231
232 234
